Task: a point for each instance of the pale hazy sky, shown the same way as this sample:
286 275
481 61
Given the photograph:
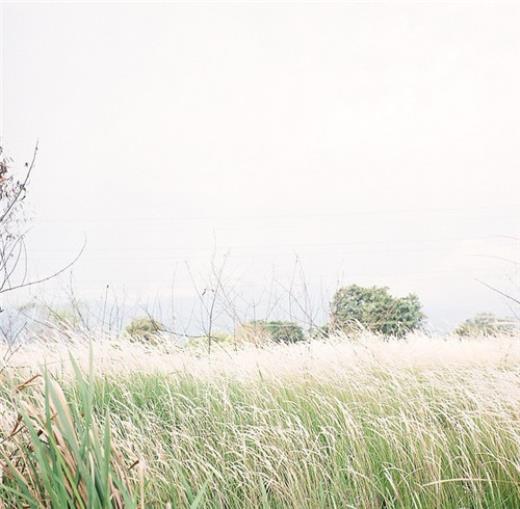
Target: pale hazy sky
379 141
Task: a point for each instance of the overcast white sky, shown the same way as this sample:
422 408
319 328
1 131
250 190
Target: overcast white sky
378 141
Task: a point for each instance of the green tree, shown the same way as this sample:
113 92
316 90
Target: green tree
356 308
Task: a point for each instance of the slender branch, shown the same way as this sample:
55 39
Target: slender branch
49 277
500 292
22 187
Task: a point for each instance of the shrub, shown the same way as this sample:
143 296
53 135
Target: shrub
284 332
145 329
356 308
217 337
262 331
485 324
320 332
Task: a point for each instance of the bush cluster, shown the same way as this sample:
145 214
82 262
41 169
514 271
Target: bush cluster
485 324
262 331
355 308
145 329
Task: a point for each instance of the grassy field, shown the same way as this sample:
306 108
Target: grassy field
421 423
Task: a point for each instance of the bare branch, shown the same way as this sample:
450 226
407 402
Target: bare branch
500 292
21 188
49 277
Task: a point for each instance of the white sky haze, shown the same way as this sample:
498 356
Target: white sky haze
378 141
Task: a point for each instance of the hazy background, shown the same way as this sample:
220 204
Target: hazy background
379 142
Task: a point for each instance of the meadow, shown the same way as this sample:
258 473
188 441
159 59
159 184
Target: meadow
422 422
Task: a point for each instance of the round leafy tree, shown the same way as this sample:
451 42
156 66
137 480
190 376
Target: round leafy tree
355 308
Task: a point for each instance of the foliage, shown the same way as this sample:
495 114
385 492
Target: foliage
57 455
320 332
355 308
485 324
145 329
328 426
408 441
261 331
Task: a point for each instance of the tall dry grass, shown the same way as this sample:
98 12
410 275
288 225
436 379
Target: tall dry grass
421 423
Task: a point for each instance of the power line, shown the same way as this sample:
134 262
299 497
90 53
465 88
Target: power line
292 215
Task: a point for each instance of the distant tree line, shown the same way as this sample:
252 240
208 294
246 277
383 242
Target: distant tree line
354 310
